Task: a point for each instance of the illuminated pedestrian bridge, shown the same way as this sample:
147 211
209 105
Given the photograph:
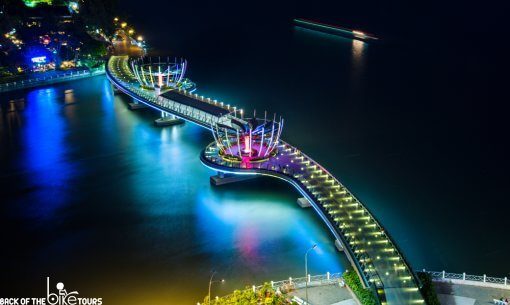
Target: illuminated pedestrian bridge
252 146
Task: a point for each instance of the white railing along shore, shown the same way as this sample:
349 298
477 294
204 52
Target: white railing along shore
28 83
300 282
313 280
469 279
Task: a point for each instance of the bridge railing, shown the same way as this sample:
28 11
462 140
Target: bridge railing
374 219
469 279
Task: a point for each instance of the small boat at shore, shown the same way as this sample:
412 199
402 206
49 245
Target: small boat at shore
335 30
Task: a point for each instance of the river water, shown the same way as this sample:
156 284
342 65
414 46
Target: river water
95 196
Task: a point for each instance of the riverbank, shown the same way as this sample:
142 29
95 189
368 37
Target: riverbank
329 289
49 79
324 289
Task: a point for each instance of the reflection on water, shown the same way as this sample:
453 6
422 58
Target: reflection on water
103 200
358 49
358 59
43 130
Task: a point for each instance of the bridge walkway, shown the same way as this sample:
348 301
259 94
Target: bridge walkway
188 106
368 246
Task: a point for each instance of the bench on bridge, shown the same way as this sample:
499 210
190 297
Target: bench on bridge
498 302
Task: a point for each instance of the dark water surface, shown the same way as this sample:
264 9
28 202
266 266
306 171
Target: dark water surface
416 125
93 195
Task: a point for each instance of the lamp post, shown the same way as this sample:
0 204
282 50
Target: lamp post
306 271
210 284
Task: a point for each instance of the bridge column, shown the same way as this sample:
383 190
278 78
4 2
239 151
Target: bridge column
167 119
303 202
339 246
135 105
115 89
223 178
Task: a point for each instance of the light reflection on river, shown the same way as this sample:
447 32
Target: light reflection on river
100 199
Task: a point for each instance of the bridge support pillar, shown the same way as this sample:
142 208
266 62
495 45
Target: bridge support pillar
135 105
115 89
223 178
303 202
167 119
339 246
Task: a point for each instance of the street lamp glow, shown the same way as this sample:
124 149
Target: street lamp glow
123 24
139 38
131 31
210 284
306 270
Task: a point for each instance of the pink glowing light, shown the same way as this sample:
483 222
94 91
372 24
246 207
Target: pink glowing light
246 162
160 80
247 144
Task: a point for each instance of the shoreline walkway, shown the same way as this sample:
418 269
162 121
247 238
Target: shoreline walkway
54 78
467 289
464 294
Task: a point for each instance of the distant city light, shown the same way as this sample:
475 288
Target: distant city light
38 59
73 6
34 3
45 40
116 19
139 38
123 24
131 31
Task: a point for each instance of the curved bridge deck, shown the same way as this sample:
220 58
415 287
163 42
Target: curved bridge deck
372 252
177 102
370 249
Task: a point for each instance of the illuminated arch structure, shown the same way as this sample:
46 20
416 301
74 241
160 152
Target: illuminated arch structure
247 140
155 73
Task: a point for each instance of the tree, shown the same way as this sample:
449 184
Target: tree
95 48
99 14
265 295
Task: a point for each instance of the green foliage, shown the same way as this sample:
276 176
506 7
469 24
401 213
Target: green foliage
94 48
428 290
365 295
263 296
99 14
